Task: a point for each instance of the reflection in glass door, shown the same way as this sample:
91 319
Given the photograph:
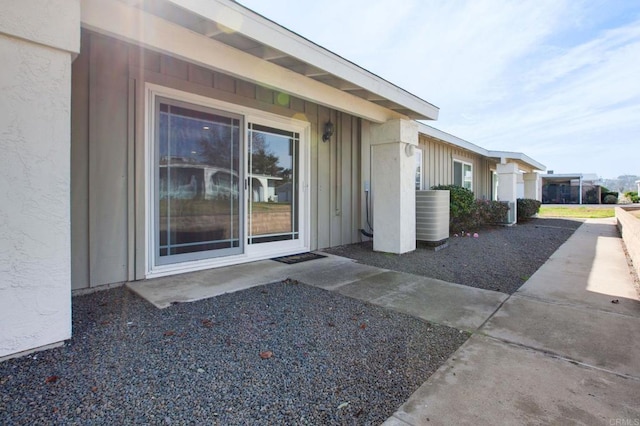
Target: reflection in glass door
272 184
197 184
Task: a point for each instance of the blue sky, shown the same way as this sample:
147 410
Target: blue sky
558 80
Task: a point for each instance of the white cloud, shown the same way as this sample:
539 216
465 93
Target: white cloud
556 79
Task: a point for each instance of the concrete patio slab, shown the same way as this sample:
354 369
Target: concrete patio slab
489 382
601 339
334 274
164 291
329 272
458 306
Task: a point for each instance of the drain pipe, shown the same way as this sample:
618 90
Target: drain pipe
366 193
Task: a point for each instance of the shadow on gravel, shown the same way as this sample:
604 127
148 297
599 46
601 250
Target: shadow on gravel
500 259
284 353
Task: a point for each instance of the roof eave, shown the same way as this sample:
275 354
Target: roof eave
253 25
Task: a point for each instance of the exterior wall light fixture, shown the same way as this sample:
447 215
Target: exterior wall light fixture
328 131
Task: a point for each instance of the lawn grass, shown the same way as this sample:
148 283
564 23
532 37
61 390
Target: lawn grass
579 212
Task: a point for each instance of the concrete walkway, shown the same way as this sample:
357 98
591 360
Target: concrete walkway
557 351
564 349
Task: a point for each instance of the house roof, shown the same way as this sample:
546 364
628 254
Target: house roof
563 177
518 157
230 23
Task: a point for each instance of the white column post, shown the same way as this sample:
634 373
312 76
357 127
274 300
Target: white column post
38 41
507 185
392 183
531 186
580 191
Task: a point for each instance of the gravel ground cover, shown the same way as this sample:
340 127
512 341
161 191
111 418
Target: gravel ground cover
284 353
500 258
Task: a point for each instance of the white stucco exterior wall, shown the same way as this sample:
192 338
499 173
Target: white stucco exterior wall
532 186
38 40
393 185
508 183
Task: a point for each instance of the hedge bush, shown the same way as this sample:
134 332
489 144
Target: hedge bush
461 203
633 196
610 199
527 208
490 212
604 192
467 214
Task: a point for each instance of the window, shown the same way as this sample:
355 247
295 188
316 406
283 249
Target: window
197 170
418 169
463 174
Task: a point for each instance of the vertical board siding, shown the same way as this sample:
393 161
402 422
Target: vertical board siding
80 170
438 161
108 155
108 88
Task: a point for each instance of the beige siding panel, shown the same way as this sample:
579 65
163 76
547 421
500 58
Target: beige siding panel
346 186
175 68
356 185
311 111
224 82
324 182
264 95
246 89
296 104
439 165
108 101
80 171
200 75
108 155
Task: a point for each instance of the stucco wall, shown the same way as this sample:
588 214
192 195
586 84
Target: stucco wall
37 40
630 229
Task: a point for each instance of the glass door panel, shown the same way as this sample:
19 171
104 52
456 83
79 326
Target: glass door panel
198 192
272 178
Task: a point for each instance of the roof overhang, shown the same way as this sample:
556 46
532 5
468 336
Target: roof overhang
522 159
228 37
525 162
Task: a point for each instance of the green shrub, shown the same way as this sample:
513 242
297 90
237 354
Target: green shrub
633 196
461 203
610 199
490 212
591 196
527 208
604 194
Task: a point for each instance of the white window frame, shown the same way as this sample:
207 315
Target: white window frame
462 178
251 252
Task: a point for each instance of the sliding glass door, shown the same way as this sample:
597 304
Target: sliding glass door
227 184
273 184
198 182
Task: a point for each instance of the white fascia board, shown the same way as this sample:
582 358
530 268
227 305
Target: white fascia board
257 27
116 19
461 143
519 156
449 138
563 176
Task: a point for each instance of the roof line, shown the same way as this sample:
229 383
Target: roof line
454 140
271 33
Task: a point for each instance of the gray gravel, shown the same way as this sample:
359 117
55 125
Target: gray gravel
500 259
335 360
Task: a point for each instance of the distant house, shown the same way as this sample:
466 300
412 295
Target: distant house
142 139
570 188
